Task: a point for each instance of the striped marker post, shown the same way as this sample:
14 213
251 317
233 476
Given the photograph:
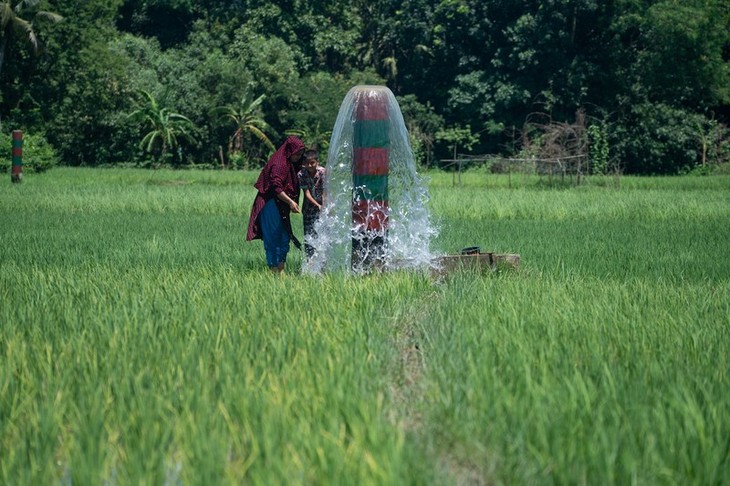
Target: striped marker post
16 174
370 167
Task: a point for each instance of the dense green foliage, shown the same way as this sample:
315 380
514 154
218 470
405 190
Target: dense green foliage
139 342
38 154
654 73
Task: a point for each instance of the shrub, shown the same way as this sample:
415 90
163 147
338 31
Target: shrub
38 154
598 148
657 139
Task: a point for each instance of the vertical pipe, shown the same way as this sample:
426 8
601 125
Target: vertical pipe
370 168
16 175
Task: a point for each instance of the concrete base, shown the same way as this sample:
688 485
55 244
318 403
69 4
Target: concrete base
479 261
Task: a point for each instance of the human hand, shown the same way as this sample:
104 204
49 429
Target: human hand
294 207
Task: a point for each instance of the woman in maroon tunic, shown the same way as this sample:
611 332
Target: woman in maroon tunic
278 195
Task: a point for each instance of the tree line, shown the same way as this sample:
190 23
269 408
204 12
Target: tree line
219 82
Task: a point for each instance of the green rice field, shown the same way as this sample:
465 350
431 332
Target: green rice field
143 341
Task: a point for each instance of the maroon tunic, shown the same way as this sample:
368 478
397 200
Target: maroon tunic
278 175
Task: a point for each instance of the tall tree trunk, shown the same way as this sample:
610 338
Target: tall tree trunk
3 43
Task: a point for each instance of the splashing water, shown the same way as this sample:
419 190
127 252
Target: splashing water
375 213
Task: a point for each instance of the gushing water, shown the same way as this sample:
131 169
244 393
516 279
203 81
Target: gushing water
375 213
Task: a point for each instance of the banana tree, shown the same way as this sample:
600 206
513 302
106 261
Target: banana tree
247 118
165 129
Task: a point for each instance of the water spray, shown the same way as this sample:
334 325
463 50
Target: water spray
375 214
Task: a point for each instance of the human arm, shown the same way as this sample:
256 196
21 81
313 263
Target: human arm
281 182
310 198
289 201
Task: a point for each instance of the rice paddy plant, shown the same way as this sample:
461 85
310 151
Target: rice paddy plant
143 341
660 232
605 359
138 375
554 380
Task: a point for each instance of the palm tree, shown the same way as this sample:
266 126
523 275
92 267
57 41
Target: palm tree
165 127
316 138
247 117
12 24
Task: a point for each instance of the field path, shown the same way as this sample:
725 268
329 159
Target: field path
409 389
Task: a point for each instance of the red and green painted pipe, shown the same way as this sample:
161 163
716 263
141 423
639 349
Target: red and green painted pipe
370 167
16 173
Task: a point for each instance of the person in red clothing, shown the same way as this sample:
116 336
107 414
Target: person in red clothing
278 195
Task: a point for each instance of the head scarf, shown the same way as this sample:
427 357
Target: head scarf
278 166
291 146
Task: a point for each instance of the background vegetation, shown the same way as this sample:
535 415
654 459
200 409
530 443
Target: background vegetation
652 75
139 342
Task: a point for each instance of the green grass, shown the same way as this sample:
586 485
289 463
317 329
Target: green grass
142 340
